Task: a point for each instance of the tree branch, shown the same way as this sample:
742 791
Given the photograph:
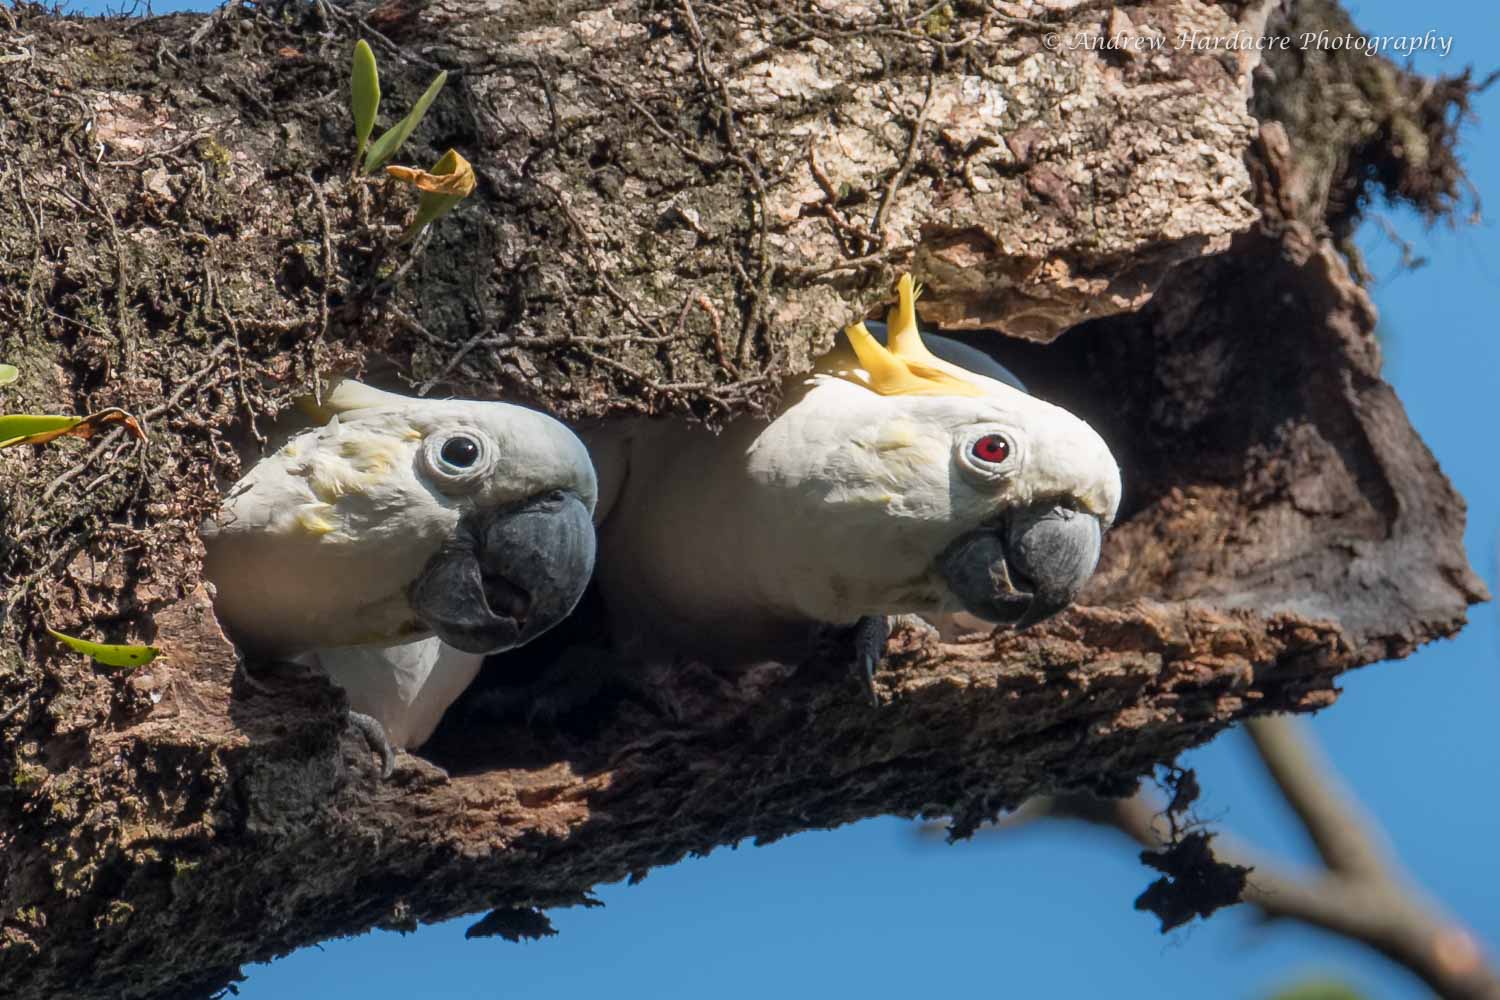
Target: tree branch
1326 809
1362 894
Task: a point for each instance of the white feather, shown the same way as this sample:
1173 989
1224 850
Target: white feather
405 688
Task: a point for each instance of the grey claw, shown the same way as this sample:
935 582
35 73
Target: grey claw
867 679
870 634
374 734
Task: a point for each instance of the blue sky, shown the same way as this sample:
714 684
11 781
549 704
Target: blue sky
873 911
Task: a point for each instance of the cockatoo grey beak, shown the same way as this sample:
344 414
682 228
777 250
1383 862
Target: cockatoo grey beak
1026 568
507 576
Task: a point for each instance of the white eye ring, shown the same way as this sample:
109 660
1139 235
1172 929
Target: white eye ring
444 455
989 453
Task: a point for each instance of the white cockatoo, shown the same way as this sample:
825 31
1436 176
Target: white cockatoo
890 482
396 520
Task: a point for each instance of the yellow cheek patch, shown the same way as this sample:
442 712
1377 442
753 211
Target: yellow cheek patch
368 456
894 436
362 464
312 521
357 467
326 490
906 367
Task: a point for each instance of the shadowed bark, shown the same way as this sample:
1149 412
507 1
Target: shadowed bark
680 203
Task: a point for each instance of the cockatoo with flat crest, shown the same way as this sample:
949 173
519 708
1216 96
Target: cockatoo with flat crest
891 482
396 520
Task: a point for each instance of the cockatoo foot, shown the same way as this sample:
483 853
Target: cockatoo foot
368 726
374 734
870 636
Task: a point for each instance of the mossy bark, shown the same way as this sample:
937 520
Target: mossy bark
680 203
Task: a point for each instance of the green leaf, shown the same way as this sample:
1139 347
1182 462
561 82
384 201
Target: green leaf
364 87
8 374
390 141
19 428
30 428
110 656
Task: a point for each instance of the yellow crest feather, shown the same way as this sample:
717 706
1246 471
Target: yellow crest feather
907 367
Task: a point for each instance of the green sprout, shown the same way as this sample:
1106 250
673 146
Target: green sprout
365 101
8 374
365 96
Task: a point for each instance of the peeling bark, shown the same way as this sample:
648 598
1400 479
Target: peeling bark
680 203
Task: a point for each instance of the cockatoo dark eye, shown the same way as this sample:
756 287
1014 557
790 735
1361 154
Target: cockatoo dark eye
992 448
460 452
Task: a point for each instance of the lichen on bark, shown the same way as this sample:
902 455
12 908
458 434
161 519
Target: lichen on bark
680 204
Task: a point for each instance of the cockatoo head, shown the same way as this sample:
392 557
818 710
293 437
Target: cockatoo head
952 491
523 548
400 518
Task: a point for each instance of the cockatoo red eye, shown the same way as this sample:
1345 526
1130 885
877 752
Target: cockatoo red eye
992 448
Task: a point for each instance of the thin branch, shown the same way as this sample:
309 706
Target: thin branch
1362 894
1338 827
909 160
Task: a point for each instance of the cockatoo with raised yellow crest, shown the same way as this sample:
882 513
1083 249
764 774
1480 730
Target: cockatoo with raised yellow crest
396 520
890 482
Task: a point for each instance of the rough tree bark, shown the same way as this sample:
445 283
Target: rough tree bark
681 201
